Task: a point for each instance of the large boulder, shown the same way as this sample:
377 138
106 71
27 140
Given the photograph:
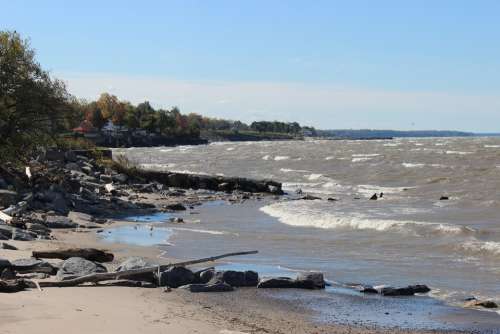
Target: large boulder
22 235
409 290
5 232
4 263
76 267
237 278
317 278
481 303
32 265
212 287
176 276
285 283
136 262
120 178
59 222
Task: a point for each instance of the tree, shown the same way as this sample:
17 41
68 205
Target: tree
108 104
33 106
94 115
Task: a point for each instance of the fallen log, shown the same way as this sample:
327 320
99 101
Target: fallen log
90 254
99 277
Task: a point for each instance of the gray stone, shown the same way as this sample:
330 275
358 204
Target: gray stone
105 178
136 262
32 265
56 222
76 267
73 166
22 235
4 245
176 277
8 197
7 274
481 303
87 170
284 283
120 178
316 277
70 156
237 278
4 263
5 232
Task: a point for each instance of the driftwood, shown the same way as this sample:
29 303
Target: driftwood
90 254
99 277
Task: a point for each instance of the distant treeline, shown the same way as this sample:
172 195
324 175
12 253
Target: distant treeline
372 134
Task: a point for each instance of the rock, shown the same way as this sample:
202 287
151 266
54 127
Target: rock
76 267
38 229
70 156
4 245
374 197
7 274
13 286
3 183
22 235
403 291
8 197
120 178
4 263
72 166
316 277
214 287
87 170
136 262
5 232
310 197
331 199
59 222
176 220
284 283
176 277
105 178
366 289
90 254
237 278
175 207
32 265
481 303
204 276
444 198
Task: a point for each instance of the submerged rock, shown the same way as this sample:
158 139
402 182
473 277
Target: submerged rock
409 290
481 303
316 277
284 283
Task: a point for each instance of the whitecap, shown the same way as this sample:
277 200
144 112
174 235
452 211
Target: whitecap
492 146
279 158
314 177
412 165
482 247
266 157
458 152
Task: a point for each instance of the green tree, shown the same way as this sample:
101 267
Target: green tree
33 106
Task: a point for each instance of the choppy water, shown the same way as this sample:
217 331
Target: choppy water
408 236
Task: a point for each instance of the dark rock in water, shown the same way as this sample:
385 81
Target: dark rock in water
8 198
331 199
136 262
237 278
176 220
284 283
444 198
59 222
481 303
176 277
309 197
404 291
374 197
215 287
7 274
317 278
365 288
76 267
4 245
4 263
32 265
175 207
381 195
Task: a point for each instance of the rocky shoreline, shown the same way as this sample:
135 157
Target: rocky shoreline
74 195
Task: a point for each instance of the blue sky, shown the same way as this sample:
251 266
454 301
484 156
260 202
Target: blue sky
330 64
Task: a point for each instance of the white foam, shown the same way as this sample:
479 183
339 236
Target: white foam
230 149
483 247
279 158
391 144
300 213
360 159
314 177
492 146
199 231
412 165
266 157
458 152
365 155
289 170
329 158
156 166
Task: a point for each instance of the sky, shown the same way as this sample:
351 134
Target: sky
330 64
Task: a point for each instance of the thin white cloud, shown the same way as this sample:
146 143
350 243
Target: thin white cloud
323 106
